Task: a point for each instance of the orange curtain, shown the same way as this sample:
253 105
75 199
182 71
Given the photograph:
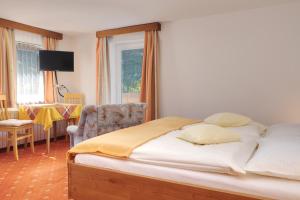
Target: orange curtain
49 83
102 72
8 65
149 75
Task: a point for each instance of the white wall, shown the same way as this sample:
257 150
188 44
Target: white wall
67 78
246 62
83 79
85 61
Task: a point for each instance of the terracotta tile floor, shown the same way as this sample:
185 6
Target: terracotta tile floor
35 176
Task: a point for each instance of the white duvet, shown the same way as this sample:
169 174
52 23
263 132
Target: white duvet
228 158
278 153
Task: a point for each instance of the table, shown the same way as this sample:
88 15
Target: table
47 115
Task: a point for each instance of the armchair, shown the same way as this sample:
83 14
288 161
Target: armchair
98 120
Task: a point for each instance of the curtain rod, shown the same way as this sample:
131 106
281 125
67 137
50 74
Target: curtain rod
28 43
155 26
24 27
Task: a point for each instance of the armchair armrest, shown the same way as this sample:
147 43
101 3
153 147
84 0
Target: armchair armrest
77 133
72 130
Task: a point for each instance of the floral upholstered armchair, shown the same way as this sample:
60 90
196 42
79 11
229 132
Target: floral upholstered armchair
98 120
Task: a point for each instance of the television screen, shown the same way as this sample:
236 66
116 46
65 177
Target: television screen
56 60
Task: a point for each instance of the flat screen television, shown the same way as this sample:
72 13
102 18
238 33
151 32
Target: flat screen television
56 60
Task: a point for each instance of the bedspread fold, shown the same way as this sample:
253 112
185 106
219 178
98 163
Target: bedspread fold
121 143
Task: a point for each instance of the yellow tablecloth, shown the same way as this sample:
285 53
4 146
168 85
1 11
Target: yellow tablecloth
46 114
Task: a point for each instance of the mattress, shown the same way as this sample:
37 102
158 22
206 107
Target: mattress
267 187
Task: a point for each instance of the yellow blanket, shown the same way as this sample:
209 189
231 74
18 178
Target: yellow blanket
122 142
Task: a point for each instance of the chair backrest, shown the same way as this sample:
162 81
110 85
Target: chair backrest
75 98
3 108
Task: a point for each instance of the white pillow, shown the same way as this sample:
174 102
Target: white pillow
248 132
227 119
209 134
262 128
254 127
283 130
278 153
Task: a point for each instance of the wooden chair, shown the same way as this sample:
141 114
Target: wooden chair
73 98
16 129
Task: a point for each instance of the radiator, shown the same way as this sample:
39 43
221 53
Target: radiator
39 133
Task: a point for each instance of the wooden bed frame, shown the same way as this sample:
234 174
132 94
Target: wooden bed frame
91 183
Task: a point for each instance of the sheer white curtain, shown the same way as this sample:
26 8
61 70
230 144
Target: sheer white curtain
30 82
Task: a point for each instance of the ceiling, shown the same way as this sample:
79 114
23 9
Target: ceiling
85 16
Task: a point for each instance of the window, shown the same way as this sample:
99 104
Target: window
126 57
30 81
131 74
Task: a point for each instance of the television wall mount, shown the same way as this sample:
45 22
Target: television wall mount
61 89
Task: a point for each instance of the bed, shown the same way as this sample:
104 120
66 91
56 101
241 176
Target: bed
94 176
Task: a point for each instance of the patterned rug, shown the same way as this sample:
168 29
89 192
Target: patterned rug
35 176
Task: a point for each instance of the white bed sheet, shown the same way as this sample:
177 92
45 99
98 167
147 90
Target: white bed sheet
267 187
